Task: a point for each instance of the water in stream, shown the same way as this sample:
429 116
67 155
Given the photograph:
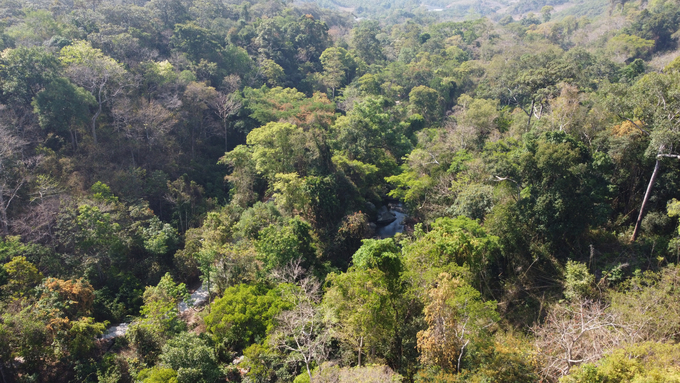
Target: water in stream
198 298
397 226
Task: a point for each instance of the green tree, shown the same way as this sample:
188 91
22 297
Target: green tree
273 72
459 247
279 148
339 68
426 102
158 375
61 107
368 133
25 72
101 75
244 315
160 318
288 105
243 175
456 315
629 47
641 362
559 191
279 245
198 43
21 276
365 43
359 307
192 358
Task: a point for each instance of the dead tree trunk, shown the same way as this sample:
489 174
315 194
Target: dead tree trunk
648 193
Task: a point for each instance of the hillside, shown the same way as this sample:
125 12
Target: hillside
466 9
202 191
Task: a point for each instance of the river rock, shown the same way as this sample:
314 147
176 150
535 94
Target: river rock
385 216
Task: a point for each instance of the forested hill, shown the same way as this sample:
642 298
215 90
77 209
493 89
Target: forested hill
259 149
401 10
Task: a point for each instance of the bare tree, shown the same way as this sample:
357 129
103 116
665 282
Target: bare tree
148 122
38 222
301 332
576 333
10 180
225 106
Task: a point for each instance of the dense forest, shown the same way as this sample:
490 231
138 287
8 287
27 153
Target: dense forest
525 156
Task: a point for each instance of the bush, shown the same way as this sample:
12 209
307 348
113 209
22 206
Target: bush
640 363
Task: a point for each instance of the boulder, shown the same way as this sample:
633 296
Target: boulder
385 216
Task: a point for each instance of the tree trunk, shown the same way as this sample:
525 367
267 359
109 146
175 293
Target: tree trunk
209 289
3 213
74 141
530 114
2 374
96 116
361 344
308 371
645 200
226 143
193 140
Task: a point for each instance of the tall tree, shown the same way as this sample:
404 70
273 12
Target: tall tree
225 106
11 177
93 70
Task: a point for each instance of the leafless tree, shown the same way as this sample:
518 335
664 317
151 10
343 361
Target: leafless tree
576 333
10 180
148 122
302 332
225 106
38 221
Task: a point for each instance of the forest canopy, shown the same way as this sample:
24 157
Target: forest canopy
339 191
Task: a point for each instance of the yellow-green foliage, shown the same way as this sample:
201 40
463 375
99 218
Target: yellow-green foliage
640 363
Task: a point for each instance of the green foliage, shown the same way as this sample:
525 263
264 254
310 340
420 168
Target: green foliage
192 358
244 315
359 306
159 238
160 318
279 245
475 201
629 47
521 150
456 317
21 276
61 107
452 246
578 281
276 104
381 254
158 375
365 42
559 192
26 71
279 148
373 373
102 192
673 66
648 301
257 218
425 101
369 134
643 362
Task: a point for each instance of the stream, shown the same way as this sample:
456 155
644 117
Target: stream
394 215
198 297
394 227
